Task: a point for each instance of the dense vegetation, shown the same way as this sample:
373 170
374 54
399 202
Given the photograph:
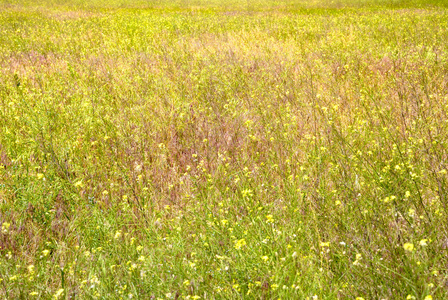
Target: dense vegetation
223 149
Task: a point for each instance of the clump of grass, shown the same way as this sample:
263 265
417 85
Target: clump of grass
216 150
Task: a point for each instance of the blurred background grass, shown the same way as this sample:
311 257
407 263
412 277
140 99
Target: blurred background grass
263 5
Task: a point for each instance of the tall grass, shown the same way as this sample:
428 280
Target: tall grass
223 150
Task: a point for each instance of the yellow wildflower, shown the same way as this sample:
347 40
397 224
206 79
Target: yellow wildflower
5 227
58 294
239 244
408 247
423 242
31 269
78 184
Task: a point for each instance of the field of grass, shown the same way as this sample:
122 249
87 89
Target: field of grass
223 149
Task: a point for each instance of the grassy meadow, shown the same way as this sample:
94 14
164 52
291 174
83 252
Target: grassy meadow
218 149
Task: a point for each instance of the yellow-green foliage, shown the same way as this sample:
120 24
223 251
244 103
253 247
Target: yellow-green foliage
223 149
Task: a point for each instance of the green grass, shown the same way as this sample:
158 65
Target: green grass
223 149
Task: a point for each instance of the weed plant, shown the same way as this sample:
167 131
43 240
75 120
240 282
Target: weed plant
223 149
